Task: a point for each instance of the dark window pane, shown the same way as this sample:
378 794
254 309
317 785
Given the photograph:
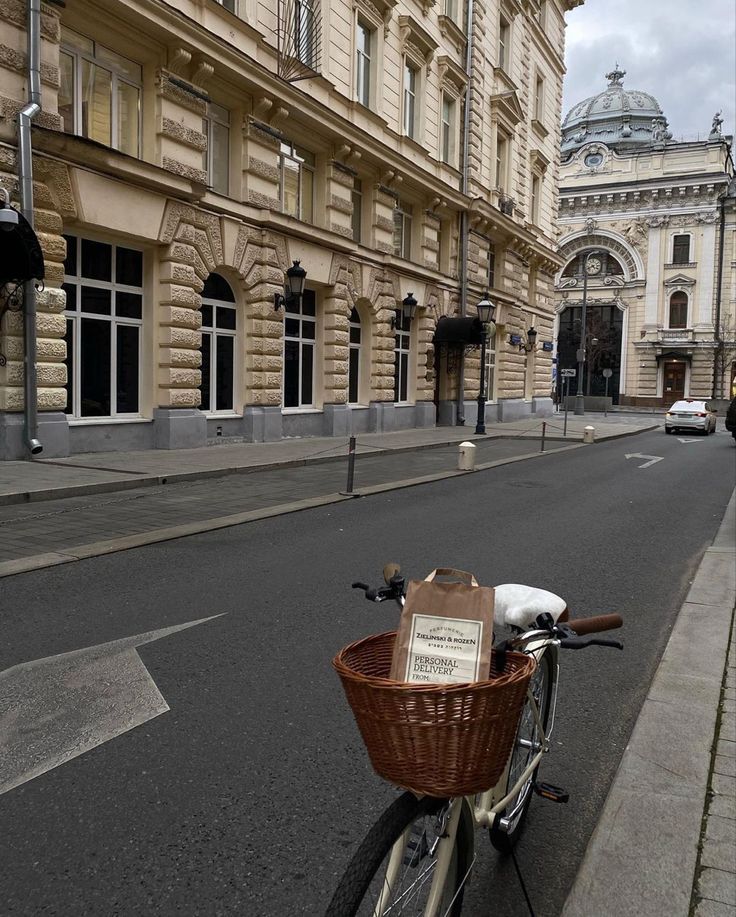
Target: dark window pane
225 318
307 363
216 287
128 267
96 301
94 359
355 316
206 315
224 368
355 335
678 310
681 250
291 327
353 376
396 376
404 376
70 262
69 338
128 305
309 303
96 260
71 296
205 404
128 370
291 374
308 330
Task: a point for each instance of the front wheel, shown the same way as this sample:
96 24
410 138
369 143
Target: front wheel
668 430
508 824
375 884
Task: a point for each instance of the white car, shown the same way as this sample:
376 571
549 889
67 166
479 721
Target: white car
690 415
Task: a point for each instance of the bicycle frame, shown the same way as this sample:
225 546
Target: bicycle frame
484 807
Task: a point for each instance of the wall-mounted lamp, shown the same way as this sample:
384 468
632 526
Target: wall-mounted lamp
8 216
408 310
525 346
296 278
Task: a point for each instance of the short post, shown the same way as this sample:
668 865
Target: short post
544 430
589 434
351 466
564 429
466 457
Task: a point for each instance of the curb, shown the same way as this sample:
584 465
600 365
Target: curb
642 855
155 536
158 480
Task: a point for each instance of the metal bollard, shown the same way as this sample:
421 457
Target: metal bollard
589 434
466 457
348 492
544 433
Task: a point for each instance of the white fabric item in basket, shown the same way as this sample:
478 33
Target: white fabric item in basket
519 606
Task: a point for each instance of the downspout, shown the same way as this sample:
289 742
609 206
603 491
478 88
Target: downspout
25 181
464 218
718 385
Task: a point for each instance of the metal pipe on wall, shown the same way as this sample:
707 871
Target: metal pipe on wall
25 182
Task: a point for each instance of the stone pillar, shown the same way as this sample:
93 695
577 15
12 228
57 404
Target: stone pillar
651 306
179 127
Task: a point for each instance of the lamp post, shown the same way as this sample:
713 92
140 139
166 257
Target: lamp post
588 268
296 279
485 308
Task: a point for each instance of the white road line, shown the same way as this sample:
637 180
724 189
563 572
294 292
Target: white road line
653 459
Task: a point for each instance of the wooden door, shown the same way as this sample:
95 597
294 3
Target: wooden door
674 382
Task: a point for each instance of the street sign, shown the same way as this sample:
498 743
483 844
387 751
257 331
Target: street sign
568 373
607 373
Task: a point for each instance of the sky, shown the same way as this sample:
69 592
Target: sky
683 52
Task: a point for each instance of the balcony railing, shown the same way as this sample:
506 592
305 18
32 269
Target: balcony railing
676 335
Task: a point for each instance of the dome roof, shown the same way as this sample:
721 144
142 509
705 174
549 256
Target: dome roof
619 118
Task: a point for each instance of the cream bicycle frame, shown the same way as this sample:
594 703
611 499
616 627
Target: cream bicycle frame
483 807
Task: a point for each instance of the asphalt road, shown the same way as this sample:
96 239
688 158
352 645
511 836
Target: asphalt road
249 795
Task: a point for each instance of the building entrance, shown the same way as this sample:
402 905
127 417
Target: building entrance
673 388
604 323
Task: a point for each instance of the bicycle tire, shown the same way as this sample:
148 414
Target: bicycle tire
358 885
504 840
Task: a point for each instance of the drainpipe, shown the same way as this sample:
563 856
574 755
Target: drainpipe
718 350
25 181
464 218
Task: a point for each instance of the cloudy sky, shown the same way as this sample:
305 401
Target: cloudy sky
683 52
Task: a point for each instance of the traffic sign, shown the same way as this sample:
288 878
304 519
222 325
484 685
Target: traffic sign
607 373
568 373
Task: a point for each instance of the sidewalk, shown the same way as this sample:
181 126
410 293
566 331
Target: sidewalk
666 841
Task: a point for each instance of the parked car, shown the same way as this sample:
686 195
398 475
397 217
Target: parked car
690 415
731 418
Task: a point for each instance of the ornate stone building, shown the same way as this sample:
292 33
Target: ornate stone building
187 153
656 220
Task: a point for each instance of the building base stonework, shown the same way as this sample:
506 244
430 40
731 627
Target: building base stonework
53 434
510 409
543 407
179 428
262 425
111 437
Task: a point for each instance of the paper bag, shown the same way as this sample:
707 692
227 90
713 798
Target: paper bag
446 631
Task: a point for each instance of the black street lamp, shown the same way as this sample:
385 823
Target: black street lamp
592 269
485 309
296 279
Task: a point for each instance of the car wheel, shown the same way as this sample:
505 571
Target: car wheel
668 429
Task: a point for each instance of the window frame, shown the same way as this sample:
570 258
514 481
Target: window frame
79 56
539 100
356 217
502 162
682 235
402 346
504 43
302 343
357 348
76 315
361 56
305 12
215 332
447 129
409 99
289 150
403 214
211 118
489 370
681 304
535 197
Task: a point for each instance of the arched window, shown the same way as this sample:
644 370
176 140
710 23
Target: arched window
219 327
402 348
354 367
678 310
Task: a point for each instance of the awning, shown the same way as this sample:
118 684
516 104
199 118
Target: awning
460 331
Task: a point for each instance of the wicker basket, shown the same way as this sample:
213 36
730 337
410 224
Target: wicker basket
436 740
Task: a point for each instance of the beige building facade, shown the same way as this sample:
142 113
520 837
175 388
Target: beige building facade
655 220
187 154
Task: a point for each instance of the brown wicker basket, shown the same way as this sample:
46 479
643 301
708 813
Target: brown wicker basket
436 740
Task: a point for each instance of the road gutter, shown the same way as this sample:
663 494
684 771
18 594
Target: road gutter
642 855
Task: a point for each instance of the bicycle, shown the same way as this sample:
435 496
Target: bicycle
418 856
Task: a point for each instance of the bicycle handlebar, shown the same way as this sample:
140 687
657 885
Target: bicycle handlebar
595 625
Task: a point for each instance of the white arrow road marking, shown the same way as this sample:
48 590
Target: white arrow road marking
686 441
56 708
653 459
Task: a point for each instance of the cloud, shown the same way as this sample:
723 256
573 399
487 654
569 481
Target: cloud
687 62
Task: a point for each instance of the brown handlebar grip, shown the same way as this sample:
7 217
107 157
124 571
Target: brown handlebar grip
594 625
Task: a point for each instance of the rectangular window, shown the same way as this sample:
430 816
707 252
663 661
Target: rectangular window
216 158
357 217
300 333
402 230
104 321
491 266
297 182
539 99
219 322
451 10
227 4
502 158
410 98
355 331
446 128
681 249
304 31
535 195
402 348
364 51
99 93
504 44
490 370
